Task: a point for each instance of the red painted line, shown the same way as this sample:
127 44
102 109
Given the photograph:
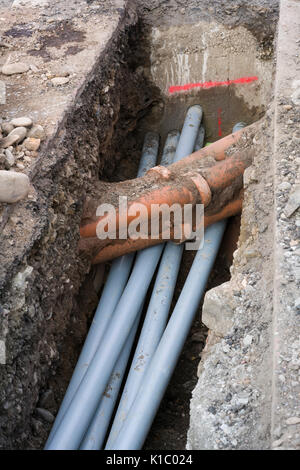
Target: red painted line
219 122
189 86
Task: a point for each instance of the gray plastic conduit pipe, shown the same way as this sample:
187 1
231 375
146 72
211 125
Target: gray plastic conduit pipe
154 324
155 382
114 286
200 139
85 401
95 435
153 328
96 432
238 126
159 372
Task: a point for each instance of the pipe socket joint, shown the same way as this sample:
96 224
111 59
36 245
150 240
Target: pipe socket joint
203 189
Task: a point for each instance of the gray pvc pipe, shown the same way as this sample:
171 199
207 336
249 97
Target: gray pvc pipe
189 132
153 328
238 126
114 286
112 292
95 435
149 153
81 410
170 148
158 309
200 139
159 372
96 432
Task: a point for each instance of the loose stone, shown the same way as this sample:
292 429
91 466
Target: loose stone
23 121
13 186
293 420
7 127
31 143
11 69
20 132
9 158
38 132
2 92
57 81
45 415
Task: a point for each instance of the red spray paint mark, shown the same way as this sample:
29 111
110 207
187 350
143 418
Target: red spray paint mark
219 122
189 86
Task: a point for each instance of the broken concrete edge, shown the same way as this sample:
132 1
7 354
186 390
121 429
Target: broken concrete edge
250 401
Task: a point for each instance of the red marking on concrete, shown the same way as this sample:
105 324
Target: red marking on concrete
219 122
189 86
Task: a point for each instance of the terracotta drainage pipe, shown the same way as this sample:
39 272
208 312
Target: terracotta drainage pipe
183 192
194 188
128 246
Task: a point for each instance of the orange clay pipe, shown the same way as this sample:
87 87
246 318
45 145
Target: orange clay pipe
128 246
187 181
186 190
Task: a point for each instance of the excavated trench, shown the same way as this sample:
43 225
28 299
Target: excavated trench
132 98
158 59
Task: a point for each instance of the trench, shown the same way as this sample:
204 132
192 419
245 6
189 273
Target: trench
159 57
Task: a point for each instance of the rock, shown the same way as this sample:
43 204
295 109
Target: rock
293 420
45 415
293 202
242 398
2 92
2 352
13 186
11 69
218 309
33 68
277 443
7 127
20 132
23 121
9 158
249 176
297 304
47 399
247 340
252 253
37 132
57 81
19 282
296 95
8 141
31 143
37 427
284 186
